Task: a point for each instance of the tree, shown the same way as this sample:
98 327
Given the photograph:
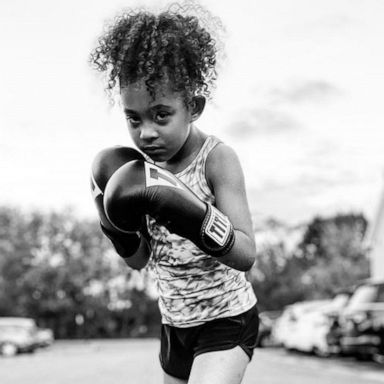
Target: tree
62 271
329 257
274 278
334 253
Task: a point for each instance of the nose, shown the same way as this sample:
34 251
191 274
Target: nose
148 132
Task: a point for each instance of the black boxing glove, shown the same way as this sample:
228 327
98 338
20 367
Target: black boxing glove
140 188
105 164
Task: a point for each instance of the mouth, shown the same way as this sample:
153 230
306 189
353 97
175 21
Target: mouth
153 151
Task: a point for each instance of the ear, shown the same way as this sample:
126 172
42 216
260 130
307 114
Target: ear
197 107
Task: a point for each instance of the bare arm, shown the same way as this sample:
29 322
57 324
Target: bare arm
225 176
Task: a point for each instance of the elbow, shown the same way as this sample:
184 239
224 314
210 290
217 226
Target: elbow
137 265
242 264
140 259
249 257
247 263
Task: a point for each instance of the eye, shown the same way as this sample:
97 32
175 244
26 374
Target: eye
162 117
133 120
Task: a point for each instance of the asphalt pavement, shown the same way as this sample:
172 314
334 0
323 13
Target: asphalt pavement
136 361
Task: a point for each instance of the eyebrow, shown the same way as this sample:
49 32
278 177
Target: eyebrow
155 108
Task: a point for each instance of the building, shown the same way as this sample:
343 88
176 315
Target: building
375 241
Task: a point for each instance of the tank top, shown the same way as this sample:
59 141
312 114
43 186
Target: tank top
194 287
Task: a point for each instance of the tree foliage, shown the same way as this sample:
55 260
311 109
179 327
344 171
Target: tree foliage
329 257
61 270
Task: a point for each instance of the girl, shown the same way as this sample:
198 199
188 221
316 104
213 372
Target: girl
163 66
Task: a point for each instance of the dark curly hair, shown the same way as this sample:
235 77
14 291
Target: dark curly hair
173 45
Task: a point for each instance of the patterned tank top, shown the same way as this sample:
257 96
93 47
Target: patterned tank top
193 286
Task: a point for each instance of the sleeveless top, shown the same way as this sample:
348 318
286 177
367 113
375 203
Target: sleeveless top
193 286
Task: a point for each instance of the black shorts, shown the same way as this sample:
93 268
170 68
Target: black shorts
179 346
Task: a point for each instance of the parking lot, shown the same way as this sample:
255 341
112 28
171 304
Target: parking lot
135 361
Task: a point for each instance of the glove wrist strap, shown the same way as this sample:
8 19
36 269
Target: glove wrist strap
217 233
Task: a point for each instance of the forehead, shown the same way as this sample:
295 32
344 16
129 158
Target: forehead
136 96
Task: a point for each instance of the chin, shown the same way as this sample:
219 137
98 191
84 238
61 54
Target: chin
158 157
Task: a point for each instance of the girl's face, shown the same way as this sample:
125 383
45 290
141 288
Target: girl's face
160 126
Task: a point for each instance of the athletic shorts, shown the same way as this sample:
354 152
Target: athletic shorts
179 346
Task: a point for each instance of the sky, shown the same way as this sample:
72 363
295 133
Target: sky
299 97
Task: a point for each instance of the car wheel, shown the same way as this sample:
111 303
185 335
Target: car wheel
8 349
320 352
260 343
266 341
361 356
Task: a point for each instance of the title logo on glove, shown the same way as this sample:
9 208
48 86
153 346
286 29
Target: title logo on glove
96 191
155 176
218 226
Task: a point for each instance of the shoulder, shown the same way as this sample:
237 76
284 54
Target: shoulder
222 152
223 166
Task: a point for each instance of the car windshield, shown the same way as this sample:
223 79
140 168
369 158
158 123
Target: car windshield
340 300
363 294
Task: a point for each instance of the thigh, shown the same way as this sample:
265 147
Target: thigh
219 367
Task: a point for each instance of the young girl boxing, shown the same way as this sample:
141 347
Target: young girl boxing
178 206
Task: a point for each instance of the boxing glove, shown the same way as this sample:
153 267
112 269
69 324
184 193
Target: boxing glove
105 164
138 188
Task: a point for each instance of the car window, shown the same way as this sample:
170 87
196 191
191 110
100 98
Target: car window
363 294
380 293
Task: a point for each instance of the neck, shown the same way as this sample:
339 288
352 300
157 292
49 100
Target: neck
187 152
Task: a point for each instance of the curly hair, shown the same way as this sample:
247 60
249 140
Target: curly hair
143 46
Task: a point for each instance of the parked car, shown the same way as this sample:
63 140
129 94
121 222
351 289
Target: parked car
44 337
312 328
267 320
17 334
285 329
361 328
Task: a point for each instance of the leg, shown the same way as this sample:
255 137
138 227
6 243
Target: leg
172 380
219 367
